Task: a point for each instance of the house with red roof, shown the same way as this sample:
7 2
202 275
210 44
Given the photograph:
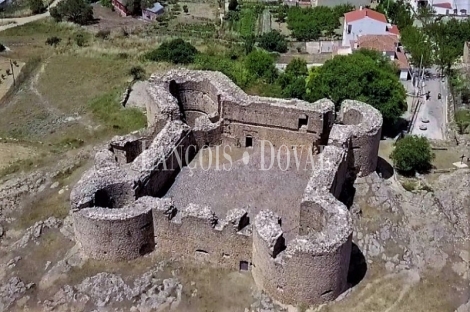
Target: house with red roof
388 45
365 21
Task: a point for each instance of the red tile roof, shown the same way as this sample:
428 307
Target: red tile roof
402 61
394 30
360 14
445 5
382 43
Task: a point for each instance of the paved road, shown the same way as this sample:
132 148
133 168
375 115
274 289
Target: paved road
24 20
433 110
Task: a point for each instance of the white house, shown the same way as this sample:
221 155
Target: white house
365 22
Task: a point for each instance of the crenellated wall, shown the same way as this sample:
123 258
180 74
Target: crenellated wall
119 211
360 131
313 267
211 95
195 232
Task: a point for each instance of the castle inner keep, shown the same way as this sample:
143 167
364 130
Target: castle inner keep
296 244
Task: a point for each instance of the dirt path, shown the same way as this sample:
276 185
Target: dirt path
17 21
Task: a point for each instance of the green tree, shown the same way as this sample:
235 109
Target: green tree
293 80
75 11
412 154
273 41
448 38
176 51
37 6
297 67
398 12
418 44
311 23
261 65
185 9
359 77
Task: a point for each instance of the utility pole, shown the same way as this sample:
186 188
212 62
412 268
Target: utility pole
12 72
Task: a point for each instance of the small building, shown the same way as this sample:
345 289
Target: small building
363 22
387 44
120 6
153 12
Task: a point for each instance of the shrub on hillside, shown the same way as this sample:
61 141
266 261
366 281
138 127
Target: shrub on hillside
2 48
103 34
137 73
80 39
273 41
412 154
176 51
53 41
75 11
37 6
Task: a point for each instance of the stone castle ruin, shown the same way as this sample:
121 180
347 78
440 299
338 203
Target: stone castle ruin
298 250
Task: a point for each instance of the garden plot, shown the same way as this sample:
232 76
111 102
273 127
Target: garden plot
197 12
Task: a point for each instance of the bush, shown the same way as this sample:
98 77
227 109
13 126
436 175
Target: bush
462 119
185 9
273 41
106 3
412 154
80 39
37 6
53 41
176 51
2 48
103 34
409 185
137 73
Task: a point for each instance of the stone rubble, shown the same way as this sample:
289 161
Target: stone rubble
148 293
35 231
12 290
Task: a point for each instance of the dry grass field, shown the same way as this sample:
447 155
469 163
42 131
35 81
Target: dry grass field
69 98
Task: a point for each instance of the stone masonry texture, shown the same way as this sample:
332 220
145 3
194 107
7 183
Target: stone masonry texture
121 211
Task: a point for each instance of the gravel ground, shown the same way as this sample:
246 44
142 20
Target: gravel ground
244 185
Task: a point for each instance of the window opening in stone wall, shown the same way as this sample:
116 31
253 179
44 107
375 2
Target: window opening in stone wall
279 246
248 141
102 199
244 266
145 249
303 121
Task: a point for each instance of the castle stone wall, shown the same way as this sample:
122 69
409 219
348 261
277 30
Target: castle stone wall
118 213
194 232
313 267
115 234
361 131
